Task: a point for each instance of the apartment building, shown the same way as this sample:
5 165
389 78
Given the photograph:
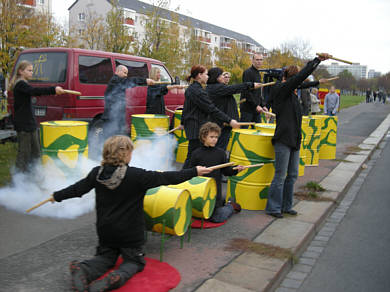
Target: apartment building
135 17
373 74
358 71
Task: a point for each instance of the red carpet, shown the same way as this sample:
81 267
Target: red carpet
156 277
197 223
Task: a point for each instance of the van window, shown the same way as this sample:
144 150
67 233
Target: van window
47 67
164 75
136 69
95 70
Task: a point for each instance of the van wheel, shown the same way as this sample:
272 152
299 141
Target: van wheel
95 139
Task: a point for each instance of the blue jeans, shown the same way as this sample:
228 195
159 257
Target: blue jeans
281 191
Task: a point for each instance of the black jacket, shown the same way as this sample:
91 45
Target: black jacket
155 99
210 156
287 108
119 211
253 98
24 117
198 109
222 96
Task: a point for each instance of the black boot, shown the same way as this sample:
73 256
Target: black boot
110 282
79 277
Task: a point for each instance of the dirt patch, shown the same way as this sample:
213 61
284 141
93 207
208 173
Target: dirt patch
245 245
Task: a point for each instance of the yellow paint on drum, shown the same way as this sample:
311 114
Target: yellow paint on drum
266 128
302 151
63 144
203 192
251 147
312 141
328 137
180 135
167 206
147 125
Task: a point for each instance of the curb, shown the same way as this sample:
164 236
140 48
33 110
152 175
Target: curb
253 272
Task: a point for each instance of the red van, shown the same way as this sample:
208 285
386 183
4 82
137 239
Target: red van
88 72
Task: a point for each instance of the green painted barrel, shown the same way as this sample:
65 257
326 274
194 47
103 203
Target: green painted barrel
203 192
147 125
312 141
328 137
250 186
169 206
63 144
180 135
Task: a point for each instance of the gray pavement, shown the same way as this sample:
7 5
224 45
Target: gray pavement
34 253
357 257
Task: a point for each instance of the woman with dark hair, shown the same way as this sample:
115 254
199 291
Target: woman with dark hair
287 138
198 109
222 96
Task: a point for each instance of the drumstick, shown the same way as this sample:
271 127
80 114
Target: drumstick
161 82
38 205
333 78
221 165
336 59
250 166
267 84
173 130
242 100
169 110
72 92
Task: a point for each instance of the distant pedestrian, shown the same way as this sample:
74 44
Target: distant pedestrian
374 94
315 102
331 103
368 95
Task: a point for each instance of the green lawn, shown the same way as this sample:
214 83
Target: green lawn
350 100
7 160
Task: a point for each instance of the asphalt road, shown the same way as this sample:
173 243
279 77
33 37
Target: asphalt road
357 257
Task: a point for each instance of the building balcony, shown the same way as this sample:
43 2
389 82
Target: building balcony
204 39
226 45
29 2
129 21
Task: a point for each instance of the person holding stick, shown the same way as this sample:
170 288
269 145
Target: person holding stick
114 115
155 94
198 108
222 97
24 117
252 104
208 155
287 137
120 191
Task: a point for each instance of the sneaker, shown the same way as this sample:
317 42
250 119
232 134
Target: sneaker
236 206
276 215
79 277
110 282
291 212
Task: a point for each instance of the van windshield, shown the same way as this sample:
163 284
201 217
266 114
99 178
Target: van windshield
49 67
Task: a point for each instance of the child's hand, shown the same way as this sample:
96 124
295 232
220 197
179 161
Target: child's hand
239 168
203 170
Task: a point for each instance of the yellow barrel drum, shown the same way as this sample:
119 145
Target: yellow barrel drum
250 187
303 150
266 128
147 125
170 207
63 144
312 141
328 137
203 192
180 135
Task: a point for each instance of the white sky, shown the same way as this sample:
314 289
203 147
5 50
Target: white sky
354 30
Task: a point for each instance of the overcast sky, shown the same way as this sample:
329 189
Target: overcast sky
354 30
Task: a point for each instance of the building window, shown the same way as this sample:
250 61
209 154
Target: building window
82 16
41 2
136 18
81 31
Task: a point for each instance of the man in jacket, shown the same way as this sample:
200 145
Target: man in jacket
331 103
252 102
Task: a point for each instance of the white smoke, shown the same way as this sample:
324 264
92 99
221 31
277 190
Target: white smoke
27 190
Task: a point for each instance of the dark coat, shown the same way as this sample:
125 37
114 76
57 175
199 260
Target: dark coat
198 109
24 117
155 99
287 108
210 156
119 211
253 98
222 96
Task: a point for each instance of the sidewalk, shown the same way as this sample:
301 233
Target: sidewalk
253 272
